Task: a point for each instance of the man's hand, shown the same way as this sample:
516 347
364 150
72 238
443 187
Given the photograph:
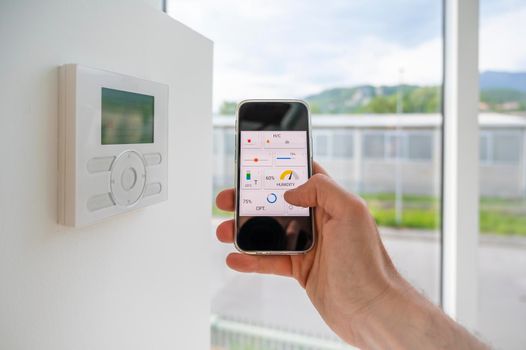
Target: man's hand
348 275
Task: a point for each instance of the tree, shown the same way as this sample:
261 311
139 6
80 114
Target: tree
381 104
228 108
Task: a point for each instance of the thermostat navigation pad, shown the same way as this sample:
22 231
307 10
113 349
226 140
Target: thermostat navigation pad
113 144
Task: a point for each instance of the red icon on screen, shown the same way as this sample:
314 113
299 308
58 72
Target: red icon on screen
249 140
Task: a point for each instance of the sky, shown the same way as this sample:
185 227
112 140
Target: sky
293 48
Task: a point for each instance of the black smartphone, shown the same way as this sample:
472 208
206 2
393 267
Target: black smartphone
273 155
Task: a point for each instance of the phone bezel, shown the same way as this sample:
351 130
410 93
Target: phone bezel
237 179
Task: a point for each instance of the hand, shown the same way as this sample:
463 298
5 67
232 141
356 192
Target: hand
349 276
348 264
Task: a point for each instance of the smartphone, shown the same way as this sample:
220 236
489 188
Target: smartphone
273 155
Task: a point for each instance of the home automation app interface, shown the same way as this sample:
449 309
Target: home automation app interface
271 162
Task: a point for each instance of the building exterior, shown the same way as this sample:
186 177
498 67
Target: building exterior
386 153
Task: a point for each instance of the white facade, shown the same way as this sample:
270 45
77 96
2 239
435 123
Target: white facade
134 281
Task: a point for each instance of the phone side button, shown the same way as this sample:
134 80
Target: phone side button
235 147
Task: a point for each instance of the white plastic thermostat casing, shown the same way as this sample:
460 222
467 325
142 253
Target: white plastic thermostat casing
100 178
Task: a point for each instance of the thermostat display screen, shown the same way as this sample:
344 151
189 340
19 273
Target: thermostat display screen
127 117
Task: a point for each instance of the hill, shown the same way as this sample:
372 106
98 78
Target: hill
500 92
503 80
380 99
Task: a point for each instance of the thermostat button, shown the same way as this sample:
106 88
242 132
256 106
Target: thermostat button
100 201
100 164
152 158
152 189
128 178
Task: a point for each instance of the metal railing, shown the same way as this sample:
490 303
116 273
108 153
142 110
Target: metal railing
237 335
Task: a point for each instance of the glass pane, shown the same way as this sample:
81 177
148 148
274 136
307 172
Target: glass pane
217 141
320 144
507 146
229 142
374 145
372 74
502 240
342 145
420 146
484 147
392 146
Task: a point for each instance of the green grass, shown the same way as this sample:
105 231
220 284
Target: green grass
502 223
502 216
220 213
411 218
418 211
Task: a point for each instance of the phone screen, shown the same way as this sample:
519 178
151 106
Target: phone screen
273 157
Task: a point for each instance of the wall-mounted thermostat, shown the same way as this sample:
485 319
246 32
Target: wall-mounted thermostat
113 144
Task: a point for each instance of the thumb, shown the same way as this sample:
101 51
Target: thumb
320 191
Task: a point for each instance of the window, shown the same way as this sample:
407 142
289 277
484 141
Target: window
371 72
501 146
229 142
507 146
407 145
393 146
502 238
217 142
342 144
374 145
485 147
321 144
420 146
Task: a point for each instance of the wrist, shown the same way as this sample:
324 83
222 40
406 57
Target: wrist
404 319
376 324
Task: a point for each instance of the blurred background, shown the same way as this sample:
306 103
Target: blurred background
372 72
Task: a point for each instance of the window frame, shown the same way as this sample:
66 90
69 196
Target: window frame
460 169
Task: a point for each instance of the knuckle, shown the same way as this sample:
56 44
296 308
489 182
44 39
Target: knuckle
318 178
359 205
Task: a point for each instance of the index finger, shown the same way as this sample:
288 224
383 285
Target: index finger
318 169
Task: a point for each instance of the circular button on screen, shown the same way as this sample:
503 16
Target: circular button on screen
128 178
272 198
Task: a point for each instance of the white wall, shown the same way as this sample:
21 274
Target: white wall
158 4
136 281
